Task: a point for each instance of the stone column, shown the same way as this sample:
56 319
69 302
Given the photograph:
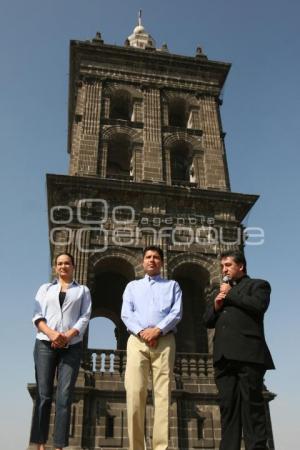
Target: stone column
87 145
215 172
199 169
165 113
152 170
138 162
102 163
106 107
137 111
168 165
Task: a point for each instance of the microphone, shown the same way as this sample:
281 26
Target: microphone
226 279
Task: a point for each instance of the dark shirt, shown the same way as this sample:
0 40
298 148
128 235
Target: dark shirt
62 296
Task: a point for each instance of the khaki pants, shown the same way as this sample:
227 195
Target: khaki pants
141 361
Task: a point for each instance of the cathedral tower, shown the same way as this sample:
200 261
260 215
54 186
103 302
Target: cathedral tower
147 166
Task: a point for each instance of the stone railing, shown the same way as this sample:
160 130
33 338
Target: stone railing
104 361
187 365
193 365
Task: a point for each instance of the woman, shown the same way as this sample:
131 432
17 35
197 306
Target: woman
61 314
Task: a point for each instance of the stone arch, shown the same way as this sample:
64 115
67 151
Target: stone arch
179 107
182 258
109 275
102 329
112 88
171 139
134 135
119 147
183 158
117 252
191 99
210 264
121 102
193 273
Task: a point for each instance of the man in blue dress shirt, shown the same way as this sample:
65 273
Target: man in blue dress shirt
151 309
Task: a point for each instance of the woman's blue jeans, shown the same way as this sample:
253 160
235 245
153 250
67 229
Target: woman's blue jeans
65 364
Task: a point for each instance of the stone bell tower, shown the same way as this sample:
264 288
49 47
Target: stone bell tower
147 166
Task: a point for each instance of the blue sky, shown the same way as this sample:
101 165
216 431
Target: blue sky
260 115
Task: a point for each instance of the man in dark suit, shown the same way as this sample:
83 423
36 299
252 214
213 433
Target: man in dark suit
240 354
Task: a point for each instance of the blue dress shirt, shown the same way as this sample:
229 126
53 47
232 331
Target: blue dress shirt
74 313
152 302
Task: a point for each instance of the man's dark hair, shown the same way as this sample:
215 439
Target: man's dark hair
154 248
66 254
237 256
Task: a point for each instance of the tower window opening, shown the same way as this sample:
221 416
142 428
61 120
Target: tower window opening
121 105
109 426
119 158
178 113
180 164
200 428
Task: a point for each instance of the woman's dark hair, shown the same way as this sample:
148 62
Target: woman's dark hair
154 248
237 256
66 254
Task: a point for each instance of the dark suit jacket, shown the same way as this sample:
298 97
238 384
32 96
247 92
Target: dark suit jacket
239 328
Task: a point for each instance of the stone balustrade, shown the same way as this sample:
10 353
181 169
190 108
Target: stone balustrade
113 362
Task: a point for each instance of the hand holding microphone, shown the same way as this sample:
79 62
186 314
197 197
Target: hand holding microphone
226 279
226 285
224 289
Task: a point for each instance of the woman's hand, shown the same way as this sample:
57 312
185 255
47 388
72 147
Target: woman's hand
58 340
72 332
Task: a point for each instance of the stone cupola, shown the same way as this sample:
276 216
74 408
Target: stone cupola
140 38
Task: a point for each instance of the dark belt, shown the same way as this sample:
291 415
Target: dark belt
161 335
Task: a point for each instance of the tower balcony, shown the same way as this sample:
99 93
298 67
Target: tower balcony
193 372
